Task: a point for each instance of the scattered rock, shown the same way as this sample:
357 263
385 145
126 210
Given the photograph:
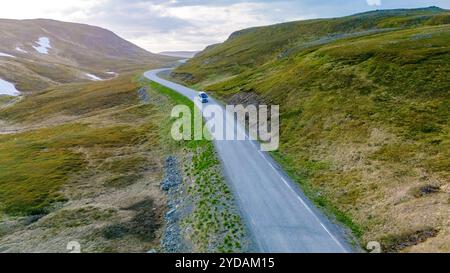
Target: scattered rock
32 219
425 190
143 95
172 178
421 36
185 77
429 189
396 243
245 98
172 241
170 214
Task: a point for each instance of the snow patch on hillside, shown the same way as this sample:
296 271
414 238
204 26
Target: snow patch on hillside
7 88
112 73
21 50
6 55
44 45
92 77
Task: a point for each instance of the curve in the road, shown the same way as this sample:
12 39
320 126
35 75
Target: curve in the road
278 215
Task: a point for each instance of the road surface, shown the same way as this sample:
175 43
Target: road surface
278 215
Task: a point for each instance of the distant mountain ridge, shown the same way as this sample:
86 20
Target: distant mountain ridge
181 54
49 52
92 39
252 47
431 9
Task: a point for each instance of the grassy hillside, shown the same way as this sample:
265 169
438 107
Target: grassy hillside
84 162
250 48
72 178
364 115
81 44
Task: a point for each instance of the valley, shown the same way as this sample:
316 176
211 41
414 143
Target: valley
87 156
82 159
364 115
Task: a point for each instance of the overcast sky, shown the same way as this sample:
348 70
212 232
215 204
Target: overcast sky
158 25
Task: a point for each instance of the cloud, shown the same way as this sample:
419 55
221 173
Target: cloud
374 2
159 25
185 25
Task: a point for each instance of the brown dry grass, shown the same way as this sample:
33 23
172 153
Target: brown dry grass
87 204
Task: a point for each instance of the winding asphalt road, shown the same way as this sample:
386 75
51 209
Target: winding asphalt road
278 215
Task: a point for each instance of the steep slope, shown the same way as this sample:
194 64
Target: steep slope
253 47
41 53
364 115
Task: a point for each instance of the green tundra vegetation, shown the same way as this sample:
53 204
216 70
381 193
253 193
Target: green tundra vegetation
61 152
85 161
364 103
